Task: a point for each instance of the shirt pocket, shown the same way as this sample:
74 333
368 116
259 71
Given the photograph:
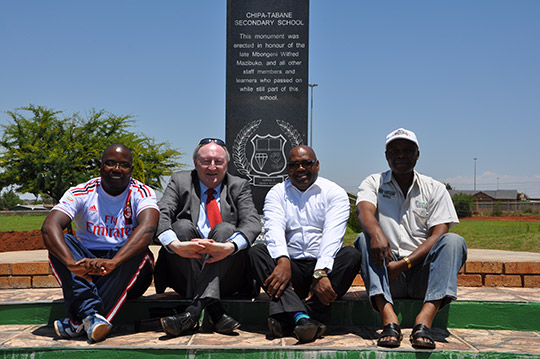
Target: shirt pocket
421 214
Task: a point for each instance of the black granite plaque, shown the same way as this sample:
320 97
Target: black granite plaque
267 88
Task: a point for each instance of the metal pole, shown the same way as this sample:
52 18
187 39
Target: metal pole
311 120
475 172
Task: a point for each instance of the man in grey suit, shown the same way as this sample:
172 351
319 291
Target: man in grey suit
207 221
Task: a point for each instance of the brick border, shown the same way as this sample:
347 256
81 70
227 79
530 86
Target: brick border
26 275
473 274
500 274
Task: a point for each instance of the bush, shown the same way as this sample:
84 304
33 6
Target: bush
497 211
9 199
353 222
463 204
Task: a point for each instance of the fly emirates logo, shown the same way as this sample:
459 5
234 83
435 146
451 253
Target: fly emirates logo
109 229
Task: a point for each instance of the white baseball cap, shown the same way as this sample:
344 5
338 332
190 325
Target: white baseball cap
401 133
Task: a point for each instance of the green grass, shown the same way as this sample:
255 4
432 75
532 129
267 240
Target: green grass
350 236
21 223
503 235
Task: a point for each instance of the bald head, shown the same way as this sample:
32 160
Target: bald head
302 149
303 167
115 167
117 147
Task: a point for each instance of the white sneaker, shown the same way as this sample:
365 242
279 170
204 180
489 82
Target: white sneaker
97 327
66 329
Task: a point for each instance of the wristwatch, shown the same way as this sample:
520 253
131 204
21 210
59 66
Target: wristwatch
318 274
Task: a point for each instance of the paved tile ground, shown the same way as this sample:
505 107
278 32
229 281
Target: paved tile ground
257 337
252 337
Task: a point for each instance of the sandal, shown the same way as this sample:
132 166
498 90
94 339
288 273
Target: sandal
390 330
420 331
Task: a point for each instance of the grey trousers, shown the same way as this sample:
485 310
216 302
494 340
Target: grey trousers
194 279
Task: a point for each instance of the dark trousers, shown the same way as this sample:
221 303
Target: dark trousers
191 277
346 266
104 294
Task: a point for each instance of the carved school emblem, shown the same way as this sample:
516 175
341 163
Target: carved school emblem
267 157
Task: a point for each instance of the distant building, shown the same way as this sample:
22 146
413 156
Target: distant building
31 207
504 195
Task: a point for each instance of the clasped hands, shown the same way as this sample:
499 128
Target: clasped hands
203 248
87 267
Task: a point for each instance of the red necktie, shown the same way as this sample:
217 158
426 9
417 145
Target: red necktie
212 209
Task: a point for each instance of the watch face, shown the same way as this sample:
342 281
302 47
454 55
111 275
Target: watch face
319 275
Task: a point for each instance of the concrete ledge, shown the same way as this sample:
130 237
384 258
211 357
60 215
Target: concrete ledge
484 268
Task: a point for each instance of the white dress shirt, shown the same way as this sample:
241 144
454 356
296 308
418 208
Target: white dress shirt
308 224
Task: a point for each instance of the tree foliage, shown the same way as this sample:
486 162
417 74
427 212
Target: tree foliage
353 221
46 153
497 210
463 204
9 199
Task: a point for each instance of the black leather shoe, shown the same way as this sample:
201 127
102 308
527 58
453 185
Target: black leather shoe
279 329
225 325
176 325
307 330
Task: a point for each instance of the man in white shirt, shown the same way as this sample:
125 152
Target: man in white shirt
406 249
304 258
109 260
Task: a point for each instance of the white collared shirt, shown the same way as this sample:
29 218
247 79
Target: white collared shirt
308 224
406 220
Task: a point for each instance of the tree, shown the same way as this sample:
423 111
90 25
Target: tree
9 199
353 221
497 210
463 204
46 153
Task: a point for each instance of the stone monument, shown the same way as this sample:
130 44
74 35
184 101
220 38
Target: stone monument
267 88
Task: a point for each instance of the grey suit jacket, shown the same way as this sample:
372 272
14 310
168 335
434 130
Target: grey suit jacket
182 199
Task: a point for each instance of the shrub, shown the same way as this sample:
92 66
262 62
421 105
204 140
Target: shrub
497 211
463 204
9 199
353 222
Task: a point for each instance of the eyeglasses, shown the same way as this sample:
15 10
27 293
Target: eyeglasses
208 140
114 164
208 163
306 164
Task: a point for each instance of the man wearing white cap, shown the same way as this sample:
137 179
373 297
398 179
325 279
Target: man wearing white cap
406 249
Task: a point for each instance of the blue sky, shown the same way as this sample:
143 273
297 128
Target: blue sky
464 75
